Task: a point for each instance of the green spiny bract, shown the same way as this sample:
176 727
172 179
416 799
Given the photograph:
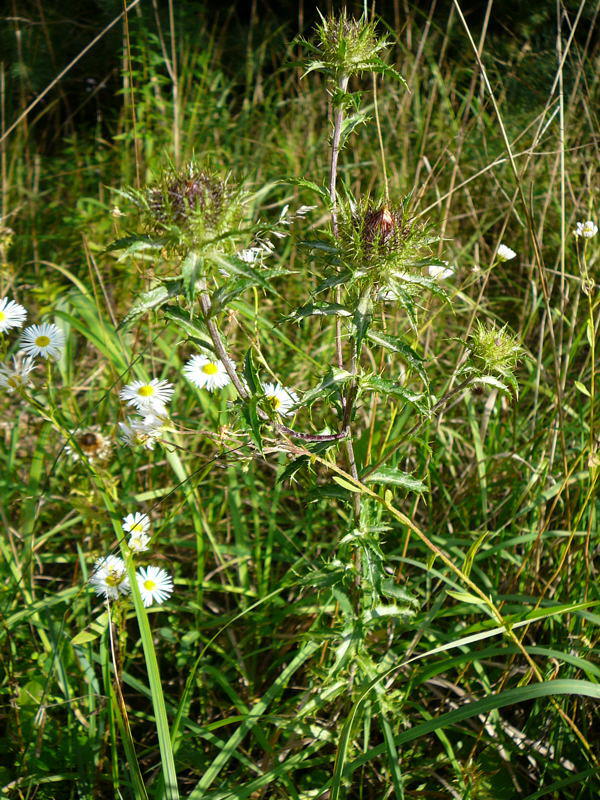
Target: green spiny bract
494 349
344 45
380 243
191 208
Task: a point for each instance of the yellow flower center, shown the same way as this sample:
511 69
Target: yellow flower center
42 341
210 369
136 528
275 402
149 584
2 316
146 391
114 578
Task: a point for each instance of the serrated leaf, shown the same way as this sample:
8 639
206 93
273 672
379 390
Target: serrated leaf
292 468
395 477
319 310
250 416
311 186
398 345
133 244
333 380
489 380
250 374
192 328
383 611
339 279
152 299
350 124
387 387
363 315
391 589
191 270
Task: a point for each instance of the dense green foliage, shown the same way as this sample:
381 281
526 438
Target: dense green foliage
442 642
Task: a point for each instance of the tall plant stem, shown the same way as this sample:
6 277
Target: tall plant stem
338 120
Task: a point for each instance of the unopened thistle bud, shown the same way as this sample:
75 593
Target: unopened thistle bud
494 349
344 45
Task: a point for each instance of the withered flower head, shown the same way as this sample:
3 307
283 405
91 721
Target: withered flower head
192 206
93 444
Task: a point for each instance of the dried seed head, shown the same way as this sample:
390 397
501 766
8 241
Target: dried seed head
93 444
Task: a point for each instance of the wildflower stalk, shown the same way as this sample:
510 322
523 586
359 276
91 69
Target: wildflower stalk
220 350
348 402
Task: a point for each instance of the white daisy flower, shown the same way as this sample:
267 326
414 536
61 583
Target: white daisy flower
12 315
440 271
156 585
93 444
142 430
110 577
586 229
206 373
16 377
136 523
504 253
138 542
44 340
281 399
148 396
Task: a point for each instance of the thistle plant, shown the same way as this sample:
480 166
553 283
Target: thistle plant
373 251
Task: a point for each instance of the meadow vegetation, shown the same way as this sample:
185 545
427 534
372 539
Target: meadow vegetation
299 484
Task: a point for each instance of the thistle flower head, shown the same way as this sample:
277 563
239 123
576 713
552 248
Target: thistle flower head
190 207
344 45
494 349
381 242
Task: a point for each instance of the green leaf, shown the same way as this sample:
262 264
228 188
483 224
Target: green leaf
363 315
583 389
400 346
154 298
311 186
133 244
333 380
346 484
193 328
338 279
250 374
465 597
191 270
92 631
250 416
384 386
395 477
319 310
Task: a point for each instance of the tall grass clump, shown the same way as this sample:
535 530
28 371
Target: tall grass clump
300 449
